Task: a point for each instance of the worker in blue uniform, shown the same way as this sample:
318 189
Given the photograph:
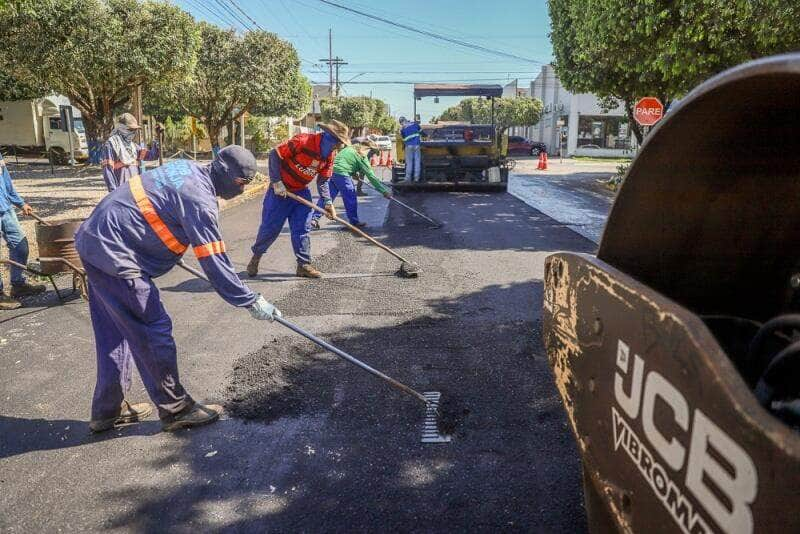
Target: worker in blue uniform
139 232
410 132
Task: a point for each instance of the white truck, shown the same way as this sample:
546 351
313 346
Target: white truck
35 125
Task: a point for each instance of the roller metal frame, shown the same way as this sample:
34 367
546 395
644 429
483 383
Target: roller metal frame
670 433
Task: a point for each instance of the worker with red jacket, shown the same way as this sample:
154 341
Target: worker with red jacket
292 167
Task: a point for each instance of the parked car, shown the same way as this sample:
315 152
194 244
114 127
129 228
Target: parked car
383 141
519 146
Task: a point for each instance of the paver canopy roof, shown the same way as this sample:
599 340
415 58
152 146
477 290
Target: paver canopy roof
457 89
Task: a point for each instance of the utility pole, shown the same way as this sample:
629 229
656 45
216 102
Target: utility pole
333 84
338 62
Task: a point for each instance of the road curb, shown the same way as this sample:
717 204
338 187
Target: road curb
244 197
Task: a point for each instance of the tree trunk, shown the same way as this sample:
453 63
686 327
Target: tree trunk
213 135
635 128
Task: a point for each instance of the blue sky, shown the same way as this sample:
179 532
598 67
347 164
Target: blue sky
377 52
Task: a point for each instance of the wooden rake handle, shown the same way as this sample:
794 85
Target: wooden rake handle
359 231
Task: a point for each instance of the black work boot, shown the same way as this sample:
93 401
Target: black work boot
306 270
8 303
196 415
129 413
26 290
252 266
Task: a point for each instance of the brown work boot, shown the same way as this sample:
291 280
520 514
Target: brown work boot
306 270
9 303
129 413
252 267
26 290
196 415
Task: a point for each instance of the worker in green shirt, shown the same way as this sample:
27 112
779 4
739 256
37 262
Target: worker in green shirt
349 161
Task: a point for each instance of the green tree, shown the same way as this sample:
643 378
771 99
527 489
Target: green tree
626 50
254 73
507 111
96 51
358 112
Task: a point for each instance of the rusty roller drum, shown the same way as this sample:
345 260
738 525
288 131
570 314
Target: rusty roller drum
651 342
56 241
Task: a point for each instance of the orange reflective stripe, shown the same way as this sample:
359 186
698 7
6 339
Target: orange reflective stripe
217 247
151 216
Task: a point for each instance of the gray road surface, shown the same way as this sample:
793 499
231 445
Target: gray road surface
310 443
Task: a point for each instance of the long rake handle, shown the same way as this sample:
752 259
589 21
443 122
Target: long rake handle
327 346
391 197
40 219
347 224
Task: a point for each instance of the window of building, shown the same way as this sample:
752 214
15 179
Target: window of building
603 132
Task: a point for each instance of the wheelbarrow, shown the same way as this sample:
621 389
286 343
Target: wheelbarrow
57 253
675 350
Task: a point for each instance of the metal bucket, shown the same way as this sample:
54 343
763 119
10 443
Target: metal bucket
57 245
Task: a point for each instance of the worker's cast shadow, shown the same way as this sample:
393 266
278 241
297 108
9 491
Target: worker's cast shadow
21 435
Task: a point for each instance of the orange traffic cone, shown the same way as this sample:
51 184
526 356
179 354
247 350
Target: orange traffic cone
389 162
383 158
540 166
544 161
374 161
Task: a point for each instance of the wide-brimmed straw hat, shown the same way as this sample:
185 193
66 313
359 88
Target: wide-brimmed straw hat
337 129
127 119
370 144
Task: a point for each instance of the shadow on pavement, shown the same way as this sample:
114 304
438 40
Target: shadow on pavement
323 445
20 435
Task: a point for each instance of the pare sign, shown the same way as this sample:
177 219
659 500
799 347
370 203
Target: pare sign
648 111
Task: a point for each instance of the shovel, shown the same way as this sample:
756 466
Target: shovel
408 269
327 346
436 224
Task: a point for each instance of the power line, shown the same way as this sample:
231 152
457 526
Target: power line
243 12
233 14
431 34
216 14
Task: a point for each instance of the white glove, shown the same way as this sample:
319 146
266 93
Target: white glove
263 310
279 188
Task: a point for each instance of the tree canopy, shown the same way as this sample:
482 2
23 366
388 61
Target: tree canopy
664 48
358 112
94 51
507 111
253 73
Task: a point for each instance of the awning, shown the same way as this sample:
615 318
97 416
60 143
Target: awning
457 89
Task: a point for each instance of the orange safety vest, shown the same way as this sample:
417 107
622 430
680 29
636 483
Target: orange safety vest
301 161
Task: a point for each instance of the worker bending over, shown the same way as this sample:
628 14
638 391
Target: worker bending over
139 232
410 132
121 156
292 167
349 161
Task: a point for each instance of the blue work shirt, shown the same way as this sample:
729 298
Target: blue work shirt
8 195
411 134
118 240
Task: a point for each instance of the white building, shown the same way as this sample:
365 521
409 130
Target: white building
586 130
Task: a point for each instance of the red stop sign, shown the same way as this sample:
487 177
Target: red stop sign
648 111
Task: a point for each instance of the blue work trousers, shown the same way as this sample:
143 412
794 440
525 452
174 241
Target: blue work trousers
274 213
413 163
339 183
131 325
17 245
